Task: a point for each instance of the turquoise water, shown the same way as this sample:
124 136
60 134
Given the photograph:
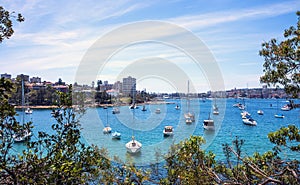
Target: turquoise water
147 126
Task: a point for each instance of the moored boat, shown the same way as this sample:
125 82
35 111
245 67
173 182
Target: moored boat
260 112
133 146
116 135
28 111
168 131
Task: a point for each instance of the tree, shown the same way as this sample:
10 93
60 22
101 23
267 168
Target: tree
6 23
9 162
187 163
282 60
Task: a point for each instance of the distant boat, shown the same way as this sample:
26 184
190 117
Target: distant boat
107 128
215 109
237 105
168 131
116 110
279 116
25 134
286 108
209 124
188 120
177 107
133 106
116 135
157 111
247 119
22 135
144 108
260 112
28 111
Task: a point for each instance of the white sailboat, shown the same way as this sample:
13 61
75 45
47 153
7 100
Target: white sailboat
28 111
189 116
116 135
107 128
215 108
25 134
116 110
278 115
133 146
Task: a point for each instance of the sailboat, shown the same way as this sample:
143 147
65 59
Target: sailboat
215 109
107 129
28 111
116 109
133 146
116 135
25 134
144 108
278 115
189 116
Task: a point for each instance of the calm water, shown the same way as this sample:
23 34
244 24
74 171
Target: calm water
147 126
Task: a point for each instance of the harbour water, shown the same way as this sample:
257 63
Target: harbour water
147 127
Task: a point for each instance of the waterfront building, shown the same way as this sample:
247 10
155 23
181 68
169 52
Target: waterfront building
23 77
35 80
129 86
6 76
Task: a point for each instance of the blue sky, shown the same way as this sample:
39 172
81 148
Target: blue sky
56 35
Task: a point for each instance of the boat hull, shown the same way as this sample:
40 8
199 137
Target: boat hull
133 147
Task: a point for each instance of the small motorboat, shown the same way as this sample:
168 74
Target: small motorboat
279 116
168 131
106 130
260 112
116 135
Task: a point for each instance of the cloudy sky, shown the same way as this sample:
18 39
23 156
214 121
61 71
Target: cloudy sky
56 36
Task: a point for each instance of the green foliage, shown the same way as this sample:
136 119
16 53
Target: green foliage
187 163
8 127
287 137
6 23
282 60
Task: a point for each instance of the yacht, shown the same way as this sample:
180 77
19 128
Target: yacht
209 124
168 131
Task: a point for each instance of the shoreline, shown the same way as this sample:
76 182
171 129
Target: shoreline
91 105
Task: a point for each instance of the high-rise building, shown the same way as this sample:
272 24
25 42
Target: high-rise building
35 80
129 86
23 77
7 76
118 86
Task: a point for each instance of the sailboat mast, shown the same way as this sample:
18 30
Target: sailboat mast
188 96
23 102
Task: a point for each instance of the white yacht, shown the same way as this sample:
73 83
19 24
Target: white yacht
168 131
